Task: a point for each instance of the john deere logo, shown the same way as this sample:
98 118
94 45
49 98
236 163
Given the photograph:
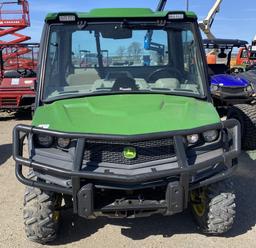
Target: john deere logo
129 152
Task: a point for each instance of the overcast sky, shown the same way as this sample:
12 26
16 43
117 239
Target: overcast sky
236 19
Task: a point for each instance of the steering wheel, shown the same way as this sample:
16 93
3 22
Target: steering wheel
116 74
235 70
26 72
170 70
22 72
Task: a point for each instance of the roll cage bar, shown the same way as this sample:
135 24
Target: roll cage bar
225 44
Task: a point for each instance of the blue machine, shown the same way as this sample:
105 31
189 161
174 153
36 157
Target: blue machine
229 86
234 89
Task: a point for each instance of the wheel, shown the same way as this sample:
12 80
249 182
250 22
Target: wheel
41 214
235 70
214 207
246 115
28 73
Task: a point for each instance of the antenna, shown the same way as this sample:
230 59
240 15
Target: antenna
187 5
161 5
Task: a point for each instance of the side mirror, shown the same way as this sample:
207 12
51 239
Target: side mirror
222 55
117 33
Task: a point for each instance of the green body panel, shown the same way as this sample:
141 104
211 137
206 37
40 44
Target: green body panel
127 114
119 12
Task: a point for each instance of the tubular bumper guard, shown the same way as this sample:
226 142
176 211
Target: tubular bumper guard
128 182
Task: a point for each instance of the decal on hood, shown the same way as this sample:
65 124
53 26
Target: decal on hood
45 126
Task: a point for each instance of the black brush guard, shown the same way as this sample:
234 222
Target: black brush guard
176 197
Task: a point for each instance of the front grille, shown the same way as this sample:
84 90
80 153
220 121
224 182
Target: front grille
232 90
11 101
113 151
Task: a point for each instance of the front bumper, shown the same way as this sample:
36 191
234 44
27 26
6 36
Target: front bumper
16 98
81 184
233 95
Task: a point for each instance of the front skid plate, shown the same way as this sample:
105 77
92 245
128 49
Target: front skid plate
127 207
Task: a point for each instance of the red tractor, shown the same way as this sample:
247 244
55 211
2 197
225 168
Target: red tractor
18 68
18 60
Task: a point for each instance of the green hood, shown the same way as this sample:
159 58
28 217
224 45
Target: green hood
126 114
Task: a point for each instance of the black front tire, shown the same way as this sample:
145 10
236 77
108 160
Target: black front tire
246 115
41 215
218 214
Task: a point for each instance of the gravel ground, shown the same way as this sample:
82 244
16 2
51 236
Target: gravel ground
175 231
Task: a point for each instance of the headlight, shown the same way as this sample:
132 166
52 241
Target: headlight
44 140
63 142
249 88
192 138
214 87
211 135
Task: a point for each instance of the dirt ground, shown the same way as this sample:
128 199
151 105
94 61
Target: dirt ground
176 231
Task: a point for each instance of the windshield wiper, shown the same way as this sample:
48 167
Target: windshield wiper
68 92
184 90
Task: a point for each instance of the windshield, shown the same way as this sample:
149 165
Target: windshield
115 59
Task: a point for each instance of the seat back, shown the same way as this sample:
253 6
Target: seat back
167 83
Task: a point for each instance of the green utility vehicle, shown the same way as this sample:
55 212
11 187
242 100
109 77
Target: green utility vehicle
129 134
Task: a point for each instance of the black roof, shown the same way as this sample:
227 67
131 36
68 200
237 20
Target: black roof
224 43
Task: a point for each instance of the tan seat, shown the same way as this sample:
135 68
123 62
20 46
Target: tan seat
167 83
88 76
